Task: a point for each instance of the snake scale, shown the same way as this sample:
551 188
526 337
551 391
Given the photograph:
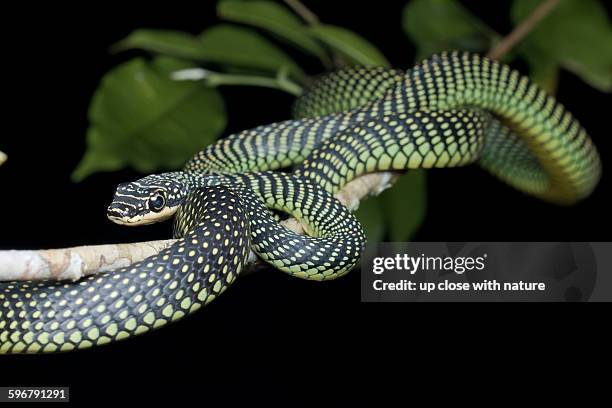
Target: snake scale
452 109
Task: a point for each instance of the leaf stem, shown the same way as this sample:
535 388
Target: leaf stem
521 30
301 10
312 19
212 78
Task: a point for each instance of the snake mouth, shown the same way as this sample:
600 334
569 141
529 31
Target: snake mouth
124 221
121 216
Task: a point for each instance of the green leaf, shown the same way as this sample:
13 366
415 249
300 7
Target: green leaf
274 18
404 205
232 45
398 212
167 42
543 69
99 156
167 65
370 215
577 34
141 118
439 25
349 44
222 44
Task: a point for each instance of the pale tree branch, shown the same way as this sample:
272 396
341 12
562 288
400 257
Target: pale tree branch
521 30
74 263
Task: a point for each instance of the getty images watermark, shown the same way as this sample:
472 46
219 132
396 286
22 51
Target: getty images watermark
456 271
458 265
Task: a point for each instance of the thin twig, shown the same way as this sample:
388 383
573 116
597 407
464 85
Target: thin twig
521 30
212 78
312 19
216 79
301 10
74 263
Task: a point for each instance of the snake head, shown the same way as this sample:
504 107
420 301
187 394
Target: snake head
148 200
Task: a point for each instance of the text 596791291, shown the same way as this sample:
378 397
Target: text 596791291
34 394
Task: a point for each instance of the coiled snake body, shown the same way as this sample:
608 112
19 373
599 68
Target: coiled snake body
450 110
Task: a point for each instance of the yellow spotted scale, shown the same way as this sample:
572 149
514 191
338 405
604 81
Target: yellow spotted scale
450 110
110 306
218 226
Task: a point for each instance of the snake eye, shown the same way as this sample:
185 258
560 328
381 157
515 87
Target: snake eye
157 202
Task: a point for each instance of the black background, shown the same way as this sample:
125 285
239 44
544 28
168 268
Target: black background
270 334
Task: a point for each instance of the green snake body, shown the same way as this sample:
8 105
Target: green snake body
217 226
450 110
411 120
